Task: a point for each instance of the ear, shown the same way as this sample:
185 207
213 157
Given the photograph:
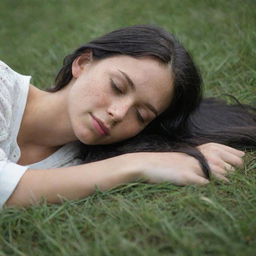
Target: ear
80 62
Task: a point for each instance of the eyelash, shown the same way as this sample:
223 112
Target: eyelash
115 88
140 118
118 91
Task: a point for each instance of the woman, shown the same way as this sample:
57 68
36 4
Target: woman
133 79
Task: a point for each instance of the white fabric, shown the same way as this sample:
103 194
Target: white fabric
13 97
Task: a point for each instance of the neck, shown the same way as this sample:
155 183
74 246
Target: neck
45 121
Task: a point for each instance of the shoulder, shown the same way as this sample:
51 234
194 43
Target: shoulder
12 82
7 75
11 90
7 80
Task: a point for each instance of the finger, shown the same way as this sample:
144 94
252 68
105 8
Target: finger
232 159
217 170
231 150
195 179
221 177
222 167
218 146
228 167
224 156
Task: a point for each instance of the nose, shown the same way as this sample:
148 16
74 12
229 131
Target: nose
118 110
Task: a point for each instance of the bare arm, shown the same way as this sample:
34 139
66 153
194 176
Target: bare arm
72 182
80 181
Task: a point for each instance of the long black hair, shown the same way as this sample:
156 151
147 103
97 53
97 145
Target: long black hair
151 41
213 121
189 121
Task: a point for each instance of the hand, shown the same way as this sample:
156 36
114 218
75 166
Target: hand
177 168
182 169
221 159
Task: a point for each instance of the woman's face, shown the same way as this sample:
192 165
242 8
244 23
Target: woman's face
115 98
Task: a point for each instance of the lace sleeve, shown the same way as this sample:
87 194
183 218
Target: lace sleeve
6 93
10 173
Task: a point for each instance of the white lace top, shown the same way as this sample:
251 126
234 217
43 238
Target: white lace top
13 96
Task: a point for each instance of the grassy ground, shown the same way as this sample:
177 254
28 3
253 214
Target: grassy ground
138 219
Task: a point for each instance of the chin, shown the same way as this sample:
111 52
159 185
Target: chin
96 141
83 136
86 138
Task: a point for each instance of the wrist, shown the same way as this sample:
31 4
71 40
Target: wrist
130 164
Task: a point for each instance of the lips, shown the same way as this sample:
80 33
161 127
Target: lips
99 126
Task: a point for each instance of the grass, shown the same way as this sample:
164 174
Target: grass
138 219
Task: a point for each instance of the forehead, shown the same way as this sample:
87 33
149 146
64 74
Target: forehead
153 81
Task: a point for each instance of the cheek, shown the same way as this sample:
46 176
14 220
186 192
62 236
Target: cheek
129 128
97 93
91 95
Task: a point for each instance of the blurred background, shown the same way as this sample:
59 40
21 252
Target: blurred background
35 35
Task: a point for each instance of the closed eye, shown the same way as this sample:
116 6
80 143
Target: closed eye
140 118
115 88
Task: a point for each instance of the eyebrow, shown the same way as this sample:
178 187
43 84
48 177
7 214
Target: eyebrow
128 79
131 84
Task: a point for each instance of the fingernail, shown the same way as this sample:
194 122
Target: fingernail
242 152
